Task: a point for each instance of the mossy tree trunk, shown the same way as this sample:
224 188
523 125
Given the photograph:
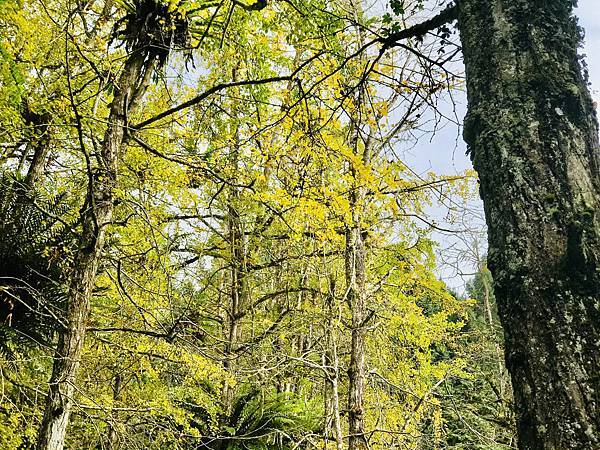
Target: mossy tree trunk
533 137
96 217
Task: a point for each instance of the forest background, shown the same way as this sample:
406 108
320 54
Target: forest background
268 273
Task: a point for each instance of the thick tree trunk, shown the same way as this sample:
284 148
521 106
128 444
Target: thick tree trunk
96 217
533 136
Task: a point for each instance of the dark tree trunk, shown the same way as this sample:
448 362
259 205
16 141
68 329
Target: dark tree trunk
40 142
533 136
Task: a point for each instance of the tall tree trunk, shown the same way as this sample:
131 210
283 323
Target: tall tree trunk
355 257
332 377
355 265
96 217
355 278
491 323
533 136
237 293
238 272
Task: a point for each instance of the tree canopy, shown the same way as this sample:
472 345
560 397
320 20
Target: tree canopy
209 237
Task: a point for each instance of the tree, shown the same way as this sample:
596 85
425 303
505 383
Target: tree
145 38
479 412
532 134
237 244
533 137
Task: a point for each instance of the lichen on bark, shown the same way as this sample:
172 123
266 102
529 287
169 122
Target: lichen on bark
533 136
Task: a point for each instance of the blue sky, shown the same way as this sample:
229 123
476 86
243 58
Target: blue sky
589 16
442 155
445 153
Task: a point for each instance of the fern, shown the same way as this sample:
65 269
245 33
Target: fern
270 421
34 247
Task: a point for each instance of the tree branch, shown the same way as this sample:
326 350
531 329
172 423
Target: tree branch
220 87
206 94
448 15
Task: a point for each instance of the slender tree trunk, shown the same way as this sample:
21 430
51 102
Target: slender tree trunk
237 292
332 393
237 298
355 277
533 137
489 314
356 269
355 256
113 438
237 245
335 405
487 304
96 217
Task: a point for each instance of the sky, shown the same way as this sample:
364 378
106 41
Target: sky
589 17
444 153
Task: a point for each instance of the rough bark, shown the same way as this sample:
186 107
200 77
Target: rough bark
355 266
96 216
533 137
355 279
355 270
